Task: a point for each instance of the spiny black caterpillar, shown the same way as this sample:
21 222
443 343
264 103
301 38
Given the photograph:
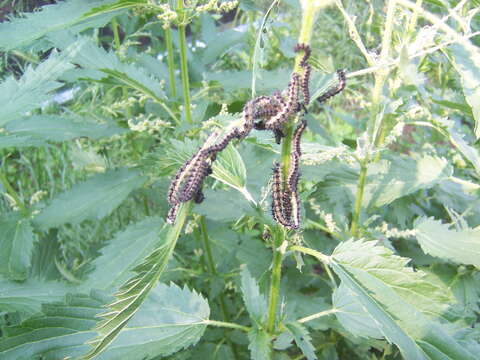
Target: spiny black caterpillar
342 81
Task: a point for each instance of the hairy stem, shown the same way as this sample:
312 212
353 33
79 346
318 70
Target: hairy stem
359 199
226 325
310 10
276 276
213 271
317 254
317 315
170 62
116 36
183 63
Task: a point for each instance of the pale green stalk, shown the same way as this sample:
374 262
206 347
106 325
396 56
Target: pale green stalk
13 194
183 62
227 325
170 62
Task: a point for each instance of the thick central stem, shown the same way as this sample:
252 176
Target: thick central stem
310 10
183 63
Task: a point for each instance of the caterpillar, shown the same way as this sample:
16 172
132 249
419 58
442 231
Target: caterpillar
305 84
201 169
307 51
172 213
342 81
290 106
278 197
294 174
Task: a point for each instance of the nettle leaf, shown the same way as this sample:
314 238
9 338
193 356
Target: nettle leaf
352 315
92 199
60 128
21 32
390 180
133 293
16 244
123 252
467 63
302 338
223 205
255 302
437 239
171 319
117 5
36 85
230 169
259 344
398 299
27 297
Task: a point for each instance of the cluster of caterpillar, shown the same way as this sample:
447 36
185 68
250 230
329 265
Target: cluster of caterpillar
285 197
261 113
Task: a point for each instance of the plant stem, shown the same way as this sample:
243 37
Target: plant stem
322 257
359 198
227 325
183 62
278 239
116 37
317 315
13 194
170 62
310 10
213 271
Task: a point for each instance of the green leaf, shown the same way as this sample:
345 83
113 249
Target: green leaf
230 169
302 339
21 32
36 85
27 297
467 63
398 299
170 319
351 314
16 244
223 205
255 302
390 180
461 246
123 252
219 43
92 199
117 5
134 292
259 344
60 128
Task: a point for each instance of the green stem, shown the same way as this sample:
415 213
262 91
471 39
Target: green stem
278 239
13 194
183 63
227 325
317 315
170 62
213 271
359 197
310 10
116 37
322 257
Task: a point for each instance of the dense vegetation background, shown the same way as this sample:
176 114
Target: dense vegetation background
97 113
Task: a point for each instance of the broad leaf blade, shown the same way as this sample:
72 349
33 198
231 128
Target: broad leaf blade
259 344
134 292
467 63
60 128
92 199
254 301
302 339
124 251
396 298
16 244
437 239
230 169
35 86
351 314
21 32
27 297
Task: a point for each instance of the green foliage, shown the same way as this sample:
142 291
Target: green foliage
95 121
92 199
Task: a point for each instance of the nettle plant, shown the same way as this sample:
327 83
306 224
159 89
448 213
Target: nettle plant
177 181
